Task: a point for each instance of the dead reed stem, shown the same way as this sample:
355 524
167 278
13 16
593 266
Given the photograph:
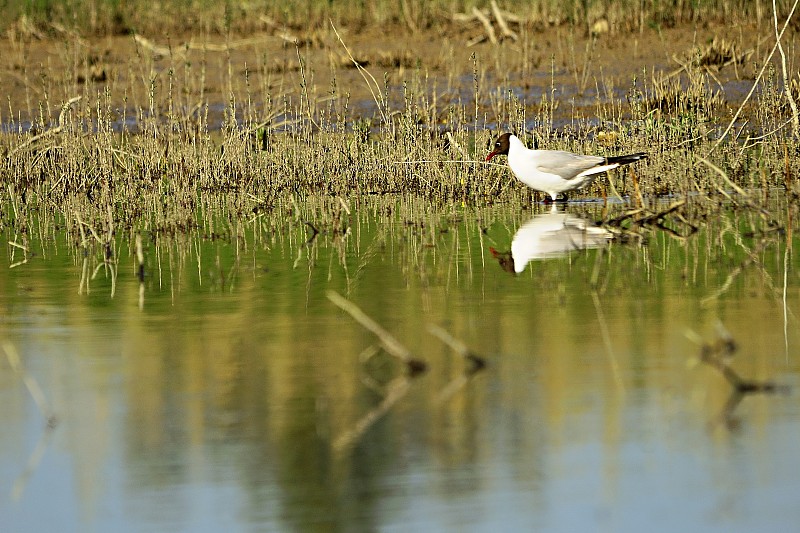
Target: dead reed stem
755 82
369 79
784 70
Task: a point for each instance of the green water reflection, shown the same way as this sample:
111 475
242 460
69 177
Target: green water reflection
212 396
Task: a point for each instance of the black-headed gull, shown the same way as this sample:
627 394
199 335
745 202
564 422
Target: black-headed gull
554 171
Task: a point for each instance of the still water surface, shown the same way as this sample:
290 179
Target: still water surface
231 394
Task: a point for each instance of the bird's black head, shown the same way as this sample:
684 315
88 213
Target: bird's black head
500 147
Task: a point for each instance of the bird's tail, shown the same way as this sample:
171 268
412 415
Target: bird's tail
626 159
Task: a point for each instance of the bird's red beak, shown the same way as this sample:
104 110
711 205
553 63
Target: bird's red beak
490 156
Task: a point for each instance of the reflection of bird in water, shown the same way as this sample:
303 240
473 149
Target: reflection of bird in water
551 235
554 171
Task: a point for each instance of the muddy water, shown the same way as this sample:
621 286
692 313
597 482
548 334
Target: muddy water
228 393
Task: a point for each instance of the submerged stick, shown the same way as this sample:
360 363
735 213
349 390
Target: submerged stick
396 389
389 343
715 355
476 362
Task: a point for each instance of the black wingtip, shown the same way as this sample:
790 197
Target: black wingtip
626 159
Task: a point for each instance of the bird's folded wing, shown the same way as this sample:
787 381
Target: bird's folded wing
565 164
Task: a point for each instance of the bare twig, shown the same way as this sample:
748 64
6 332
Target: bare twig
487 25
501 21
144 42
240 43
280 31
